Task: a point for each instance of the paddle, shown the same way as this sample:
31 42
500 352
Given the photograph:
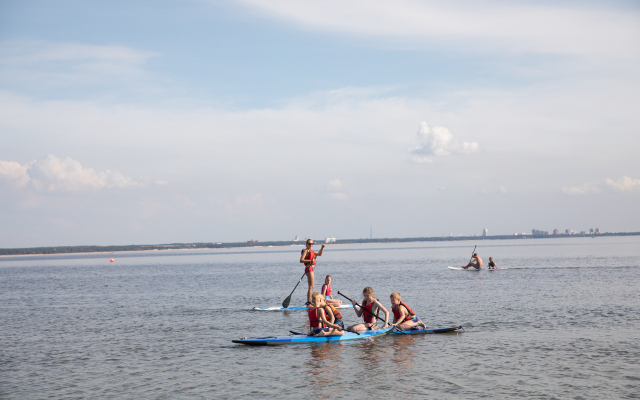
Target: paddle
286 301
369 312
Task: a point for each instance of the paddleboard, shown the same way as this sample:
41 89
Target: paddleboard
305 339
415 331
467 269
292 308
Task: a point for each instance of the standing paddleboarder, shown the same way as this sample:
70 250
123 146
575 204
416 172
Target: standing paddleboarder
308 258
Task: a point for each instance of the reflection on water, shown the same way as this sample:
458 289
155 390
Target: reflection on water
325 364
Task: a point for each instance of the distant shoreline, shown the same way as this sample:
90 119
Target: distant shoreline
197 246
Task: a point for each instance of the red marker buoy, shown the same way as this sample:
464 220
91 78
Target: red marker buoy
112 260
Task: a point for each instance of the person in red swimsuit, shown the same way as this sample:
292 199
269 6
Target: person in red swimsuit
326 291
403 316
319 324
373 306
308 258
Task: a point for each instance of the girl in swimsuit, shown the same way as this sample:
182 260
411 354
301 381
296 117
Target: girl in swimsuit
308 258
372 305
319 325
326 291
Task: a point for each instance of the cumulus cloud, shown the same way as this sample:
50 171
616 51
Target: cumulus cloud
14 172
438 141
55 174
621 185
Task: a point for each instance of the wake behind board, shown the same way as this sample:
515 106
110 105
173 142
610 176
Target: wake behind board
305 339
292 308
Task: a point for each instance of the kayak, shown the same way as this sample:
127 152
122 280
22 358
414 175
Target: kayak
415 331
304 339
292 308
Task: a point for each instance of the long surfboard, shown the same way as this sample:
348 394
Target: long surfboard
415 331
292 308
305 339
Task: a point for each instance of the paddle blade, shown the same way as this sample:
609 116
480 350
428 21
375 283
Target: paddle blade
286 302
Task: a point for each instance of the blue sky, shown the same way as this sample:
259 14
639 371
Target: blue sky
181 121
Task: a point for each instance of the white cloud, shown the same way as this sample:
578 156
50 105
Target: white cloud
438 141
488 25
334 189
623 184
14 173
54 174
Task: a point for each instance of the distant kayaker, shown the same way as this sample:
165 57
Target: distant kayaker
491 265
308 258
371 307
326 291
319 325
476 262
403 316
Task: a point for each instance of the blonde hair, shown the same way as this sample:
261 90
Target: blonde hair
316 297
367 290
395 295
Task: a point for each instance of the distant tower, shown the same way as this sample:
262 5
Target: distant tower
485 232
296 238
371 232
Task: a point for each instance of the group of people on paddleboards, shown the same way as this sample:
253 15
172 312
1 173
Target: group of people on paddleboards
326 320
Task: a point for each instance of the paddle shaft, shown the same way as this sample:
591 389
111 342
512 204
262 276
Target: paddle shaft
286 301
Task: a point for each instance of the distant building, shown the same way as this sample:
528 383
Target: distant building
597 230
567 232
330 240
556 232
485 232
296 238
536 232
591 231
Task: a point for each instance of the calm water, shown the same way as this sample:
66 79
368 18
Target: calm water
563 323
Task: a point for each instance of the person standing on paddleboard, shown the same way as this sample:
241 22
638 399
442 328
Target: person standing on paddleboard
476 262
308 258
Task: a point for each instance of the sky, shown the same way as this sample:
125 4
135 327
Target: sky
147 122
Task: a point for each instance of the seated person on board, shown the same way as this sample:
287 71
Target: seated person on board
403 316
326 291
476 262
491 265
332 314
318 323
369 312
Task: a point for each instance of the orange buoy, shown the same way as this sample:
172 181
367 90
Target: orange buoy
112 260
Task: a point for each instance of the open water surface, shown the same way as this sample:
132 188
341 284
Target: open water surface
562 323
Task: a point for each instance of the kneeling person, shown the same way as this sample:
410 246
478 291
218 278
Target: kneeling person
332 313
318 322
403 316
